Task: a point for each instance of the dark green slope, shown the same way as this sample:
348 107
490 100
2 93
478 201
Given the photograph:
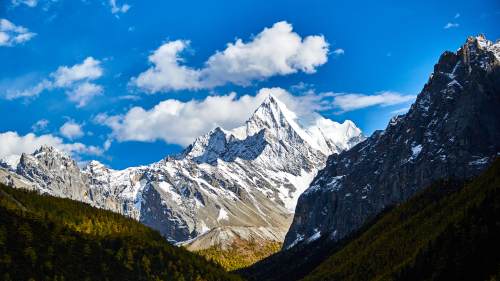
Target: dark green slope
47 238
449 231
295 263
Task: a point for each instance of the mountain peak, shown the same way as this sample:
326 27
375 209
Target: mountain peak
48 149
49 157
272 121
209 147
270 106
272 114
480 37
95 165
477 46
269 99
479 40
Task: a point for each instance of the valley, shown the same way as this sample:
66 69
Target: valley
153 140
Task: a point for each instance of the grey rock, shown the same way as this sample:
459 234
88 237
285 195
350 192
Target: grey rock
451 131
247 178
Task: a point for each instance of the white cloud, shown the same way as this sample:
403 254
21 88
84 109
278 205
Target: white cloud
15 144
339 52
27 92
178 122
29 3
274 51
40 125
84 92
11 34
349 102
457 15
65 76
167 73
77 81
71 130
115 8
451 25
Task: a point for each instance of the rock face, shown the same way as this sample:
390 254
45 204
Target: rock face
54 172
451 131
248 178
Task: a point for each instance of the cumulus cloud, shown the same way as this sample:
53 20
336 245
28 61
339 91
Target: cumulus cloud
349 102
40 125
76 81
71 130
15 144
115 8
451 25
274 51
84 92
167 73
11 34
178 122
65 76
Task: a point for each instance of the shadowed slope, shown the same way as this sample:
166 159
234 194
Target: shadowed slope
449 231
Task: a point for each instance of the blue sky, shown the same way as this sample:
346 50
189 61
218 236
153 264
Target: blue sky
377 54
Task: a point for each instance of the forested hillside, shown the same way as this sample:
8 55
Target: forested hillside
447 232
47 238
241 253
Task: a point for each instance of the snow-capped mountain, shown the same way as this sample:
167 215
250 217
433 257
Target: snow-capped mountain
249 177
451 131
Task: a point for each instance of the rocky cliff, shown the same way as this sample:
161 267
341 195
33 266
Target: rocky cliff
451 131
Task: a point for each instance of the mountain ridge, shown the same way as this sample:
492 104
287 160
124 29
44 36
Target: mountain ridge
450 131
222 180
